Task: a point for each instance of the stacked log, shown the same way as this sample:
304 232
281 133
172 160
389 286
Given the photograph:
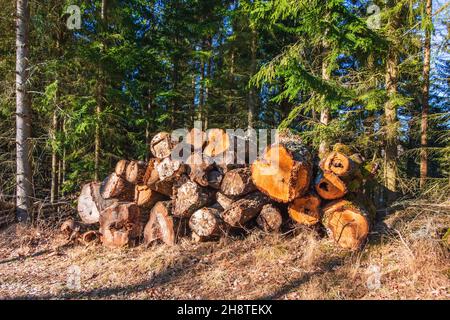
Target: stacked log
208 195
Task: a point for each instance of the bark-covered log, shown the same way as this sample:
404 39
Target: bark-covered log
224 201
237 182
145 197
329 186
206 222
191 197
116 187
121 168
162 145
91 203
151 179
269 219
243 210
162 226
196 138
120 224
305 210
135 171
284 171
347 223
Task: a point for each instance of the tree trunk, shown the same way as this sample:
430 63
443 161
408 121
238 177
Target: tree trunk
120 225
23 114
191 197
91 203
338 163
251 93
55 161
284 172
270 219
305 210
329 186
206 222
347 223
237 182
325 115
425 97
245 209
116 187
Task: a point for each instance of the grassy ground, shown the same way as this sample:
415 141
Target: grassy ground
405 253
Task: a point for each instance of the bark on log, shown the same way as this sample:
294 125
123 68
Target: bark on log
121 168
347 223
191 197
243 210
329 186
91 203
284 171
237 182
224 201
305 210
116 187
206 222
270 219
162 226
135 171
162 145
120 225
145 197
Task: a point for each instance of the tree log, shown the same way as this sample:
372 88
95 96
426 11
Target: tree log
237 182
135 171
191 197
151 179
169 169
206 222
145 197
215 178
347 223
305 210
120 224
243 210
270 219
329 186
162 145
224 201
91 203
338 163
161 225
284 171
121 168
116 187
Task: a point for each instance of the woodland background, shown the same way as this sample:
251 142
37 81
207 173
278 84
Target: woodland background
99 93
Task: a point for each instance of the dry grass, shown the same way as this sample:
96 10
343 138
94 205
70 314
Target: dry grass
406 248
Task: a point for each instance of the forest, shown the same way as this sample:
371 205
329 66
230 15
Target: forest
85 84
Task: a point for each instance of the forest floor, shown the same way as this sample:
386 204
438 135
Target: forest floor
404 259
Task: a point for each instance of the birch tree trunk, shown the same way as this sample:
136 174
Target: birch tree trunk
325 112
23 113
425 97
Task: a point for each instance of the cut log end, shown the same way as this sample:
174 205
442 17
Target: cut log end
206 222
135 171
121 168
243 210
346 223
282 175
330 187
160 225
161 145
305 210
270 219
91 203
338 163
218 143
237 182
191 197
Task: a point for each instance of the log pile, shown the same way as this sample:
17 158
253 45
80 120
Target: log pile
207 196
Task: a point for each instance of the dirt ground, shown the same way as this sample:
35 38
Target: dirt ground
404 259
